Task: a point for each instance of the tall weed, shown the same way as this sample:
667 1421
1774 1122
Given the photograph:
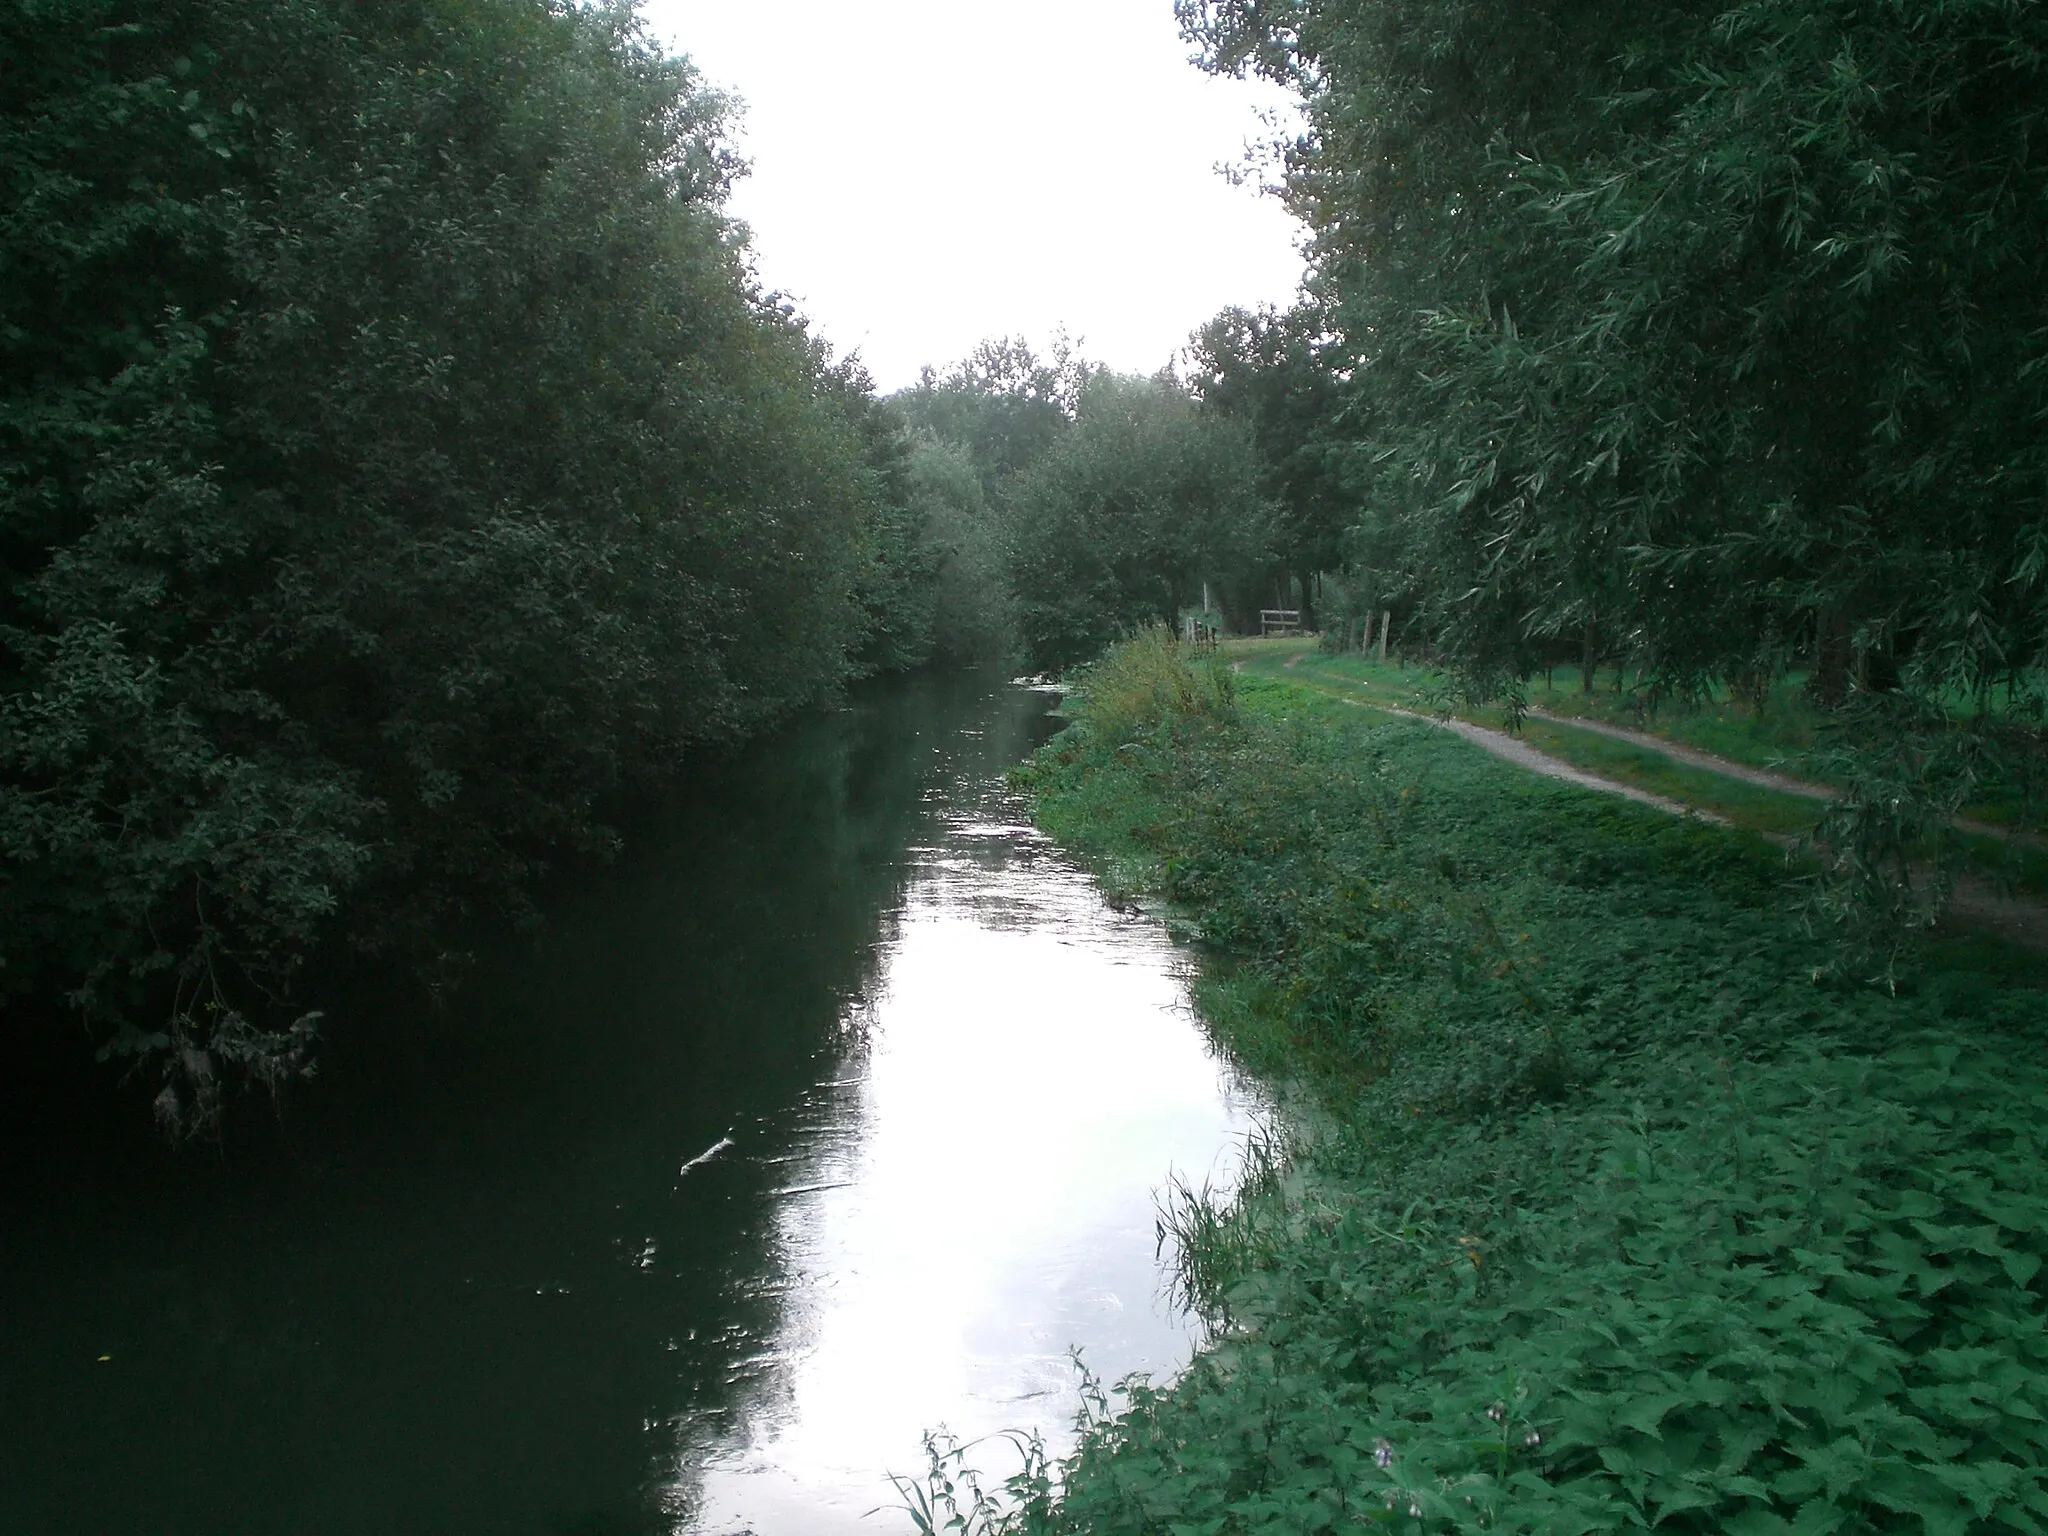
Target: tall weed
1149 680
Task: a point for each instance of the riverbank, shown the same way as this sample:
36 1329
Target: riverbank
477 1276
1616 1198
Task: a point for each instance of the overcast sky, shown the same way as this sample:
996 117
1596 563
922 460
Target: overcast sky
927 173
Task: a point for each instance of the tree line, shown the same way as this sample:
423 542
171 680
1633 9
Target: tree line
398 465
1705 339
401 470
1089 503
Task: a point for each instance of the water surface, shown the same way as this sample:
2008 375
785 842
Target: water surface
466 1284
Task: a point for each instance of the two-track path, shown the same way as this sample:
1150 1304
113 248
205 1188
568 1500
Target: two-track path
1510 749
1972 900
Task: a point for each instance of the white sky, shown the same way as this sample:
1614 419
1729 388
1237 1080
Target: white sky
928 173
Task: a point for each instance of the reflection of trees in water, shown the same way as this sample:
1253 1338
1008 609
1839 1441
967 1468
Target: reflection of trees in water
482 1298
900 762
831 816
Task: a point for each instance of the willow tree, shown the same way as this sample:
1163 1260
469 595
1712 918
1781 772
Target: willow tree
1708 334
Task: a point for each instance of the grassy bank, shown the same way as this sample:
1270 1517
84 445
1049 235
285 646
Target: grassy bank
1613 1201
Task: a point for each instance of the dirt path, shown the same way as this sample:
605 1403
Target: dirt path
1761 777
1972 903
1678 752
1512 749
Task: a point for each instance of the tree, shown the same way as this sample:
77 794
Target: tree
1266 370
1004 404
395 464
974 621
1122 520
1710 335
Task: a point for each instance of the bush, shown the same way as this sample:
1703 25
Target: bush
396 461
1151 680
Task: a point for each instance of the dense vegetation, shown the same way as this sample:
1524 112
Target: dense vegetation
1106 502
398 464
1706 338
399 468
396 461
1612 1204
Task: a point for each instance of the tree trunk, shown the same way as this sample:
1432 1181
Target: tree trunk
1828 685
1308 606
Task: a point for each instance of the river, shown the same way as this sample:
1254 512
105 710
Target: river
474 1279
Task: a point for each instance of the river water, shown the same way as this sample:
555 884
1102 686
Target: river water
474 1281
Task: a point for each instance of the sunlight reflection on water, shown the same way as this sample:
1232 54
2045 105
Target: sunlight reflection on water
972 1194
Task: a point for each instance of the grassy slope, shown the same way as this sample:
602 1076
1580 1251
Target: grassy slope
1618 1207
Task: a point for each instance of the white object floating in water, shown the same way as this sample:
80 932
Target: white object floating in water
709 1154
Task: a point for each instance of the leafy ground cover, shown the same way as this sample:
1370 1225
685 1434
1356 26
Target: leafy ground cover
1610 1199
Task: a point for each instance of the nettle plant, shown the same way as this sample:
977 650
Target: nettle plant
1609 1203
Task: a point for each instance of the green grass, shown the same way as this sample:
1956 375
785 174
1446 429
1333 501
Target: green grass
1744 804
1360 679
1778 740
1779 737
1723 728
1610 1199
1788 736
2022 866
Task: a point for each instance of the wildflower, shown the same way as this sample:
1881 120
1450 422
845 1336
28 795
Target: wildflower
1383 1451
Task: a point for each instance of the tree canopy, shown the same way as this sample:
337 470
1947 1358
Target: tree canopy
1706 336
396 460
1140 501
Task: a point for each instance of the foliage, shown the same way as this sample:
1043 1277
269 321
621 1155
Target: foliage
395 461
896 584
1609 1208
973 616
1105 502
953 1494
1265 368
1149 683
1708 337
1121 520
1003 404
